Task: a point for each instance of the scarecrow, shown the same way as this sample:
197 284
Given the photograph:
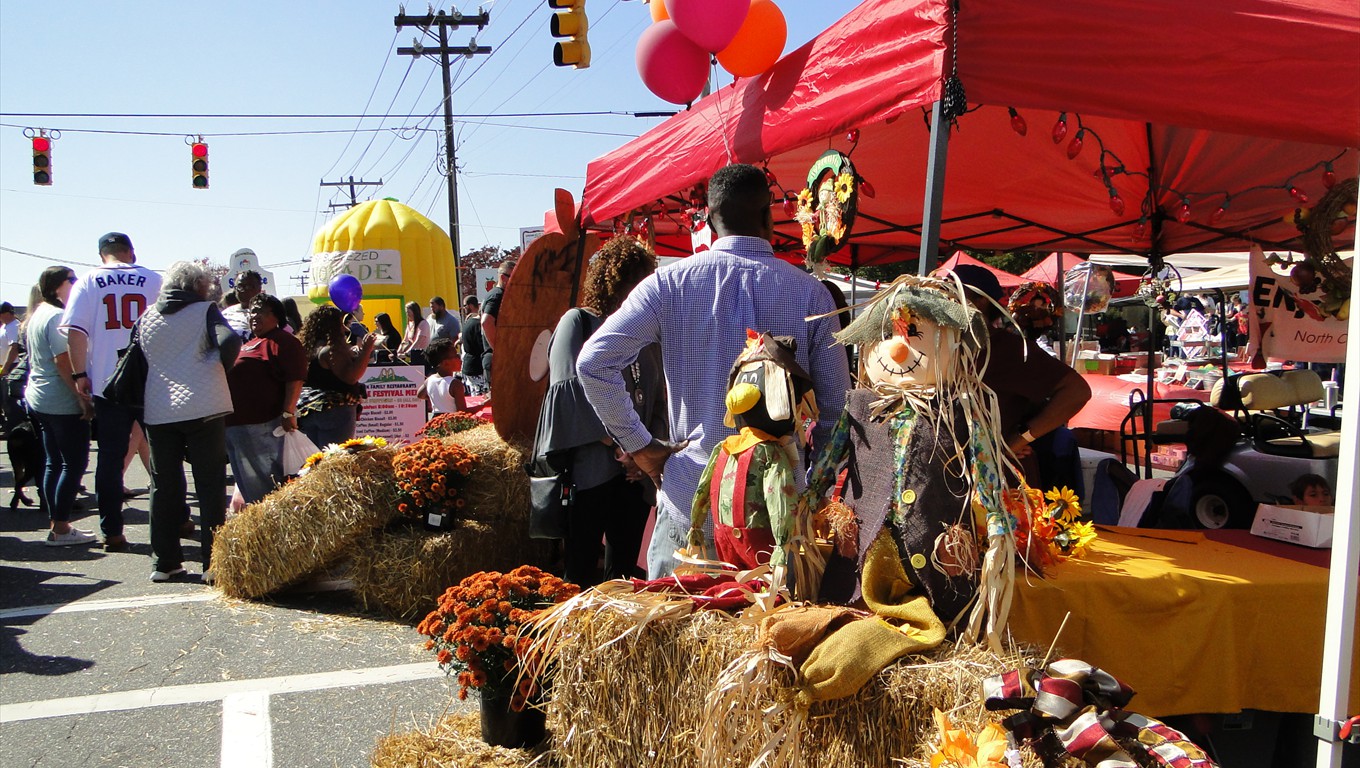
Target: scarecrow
924 461
748 486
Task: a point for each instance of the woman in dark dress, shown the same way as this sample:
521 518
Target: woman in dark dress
612 497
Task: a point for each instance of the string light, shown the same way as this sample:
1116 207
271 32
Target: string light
1060 128
1074 147
1298 194
1219 213
1116 202
866 188
790 205
1328 176
1018 123
853 135
1183 213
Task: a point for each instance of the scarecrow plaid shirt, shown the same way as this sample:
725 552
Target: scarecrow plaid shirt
699 310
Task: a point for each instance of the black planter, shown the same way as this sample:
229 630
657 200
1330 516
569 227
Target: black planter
504 727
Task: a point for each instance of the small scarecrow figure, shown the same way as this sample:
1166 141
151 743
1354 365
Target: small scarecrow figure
748 486
923 456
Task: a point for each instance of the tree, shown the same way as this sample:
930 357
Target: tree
481 258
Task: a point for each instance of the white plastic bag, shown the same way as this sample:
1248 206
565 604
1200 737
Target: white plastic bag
296 448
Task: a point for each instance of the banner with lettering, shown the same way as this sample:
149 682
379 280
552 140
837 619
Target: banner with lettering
392 410
1285 325
373 266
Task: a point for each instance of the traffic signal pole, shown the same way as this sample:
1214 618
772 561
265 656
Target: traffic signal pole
445 21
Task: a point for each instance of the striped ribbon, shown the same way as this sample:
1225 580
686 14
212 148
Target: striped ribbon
1083 707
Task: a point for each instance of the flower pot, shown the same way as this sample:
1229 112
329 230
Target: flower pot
504 727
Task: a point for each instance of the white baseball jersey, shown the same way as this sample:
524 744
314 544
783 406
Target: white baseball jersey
105 304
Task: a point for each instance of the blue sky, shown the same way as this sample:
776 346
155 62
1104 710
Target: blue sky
294 57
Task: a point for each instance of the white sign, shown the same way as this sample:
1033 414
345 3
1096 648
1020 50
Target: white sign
245 260
1281 326
370 267
392 411
486 280
528 235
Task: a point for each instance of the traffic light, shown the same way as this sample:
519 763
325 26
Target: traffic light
42 161
199 151
570 22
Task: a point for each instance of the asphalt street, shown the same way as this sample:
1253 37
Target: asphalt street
101 667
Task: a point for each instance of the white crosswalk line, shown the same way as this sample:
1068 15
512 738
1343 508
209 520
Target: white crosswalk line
247 736
204 692
106 605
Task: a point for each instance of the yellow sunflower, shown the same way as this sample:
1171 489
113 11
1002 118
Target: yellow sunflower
1081 535
805 200
809 233
845 187
1065 505
959 750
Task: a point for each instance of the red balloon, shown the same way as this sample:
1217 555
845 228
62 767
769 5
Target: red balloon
710 24
759 43
671 66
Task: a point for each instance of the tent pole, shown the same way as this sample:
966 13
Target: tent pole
1062 329
935 167
1339 633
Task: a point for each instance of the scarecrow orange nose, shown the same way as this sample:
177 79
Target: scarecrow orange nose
897 350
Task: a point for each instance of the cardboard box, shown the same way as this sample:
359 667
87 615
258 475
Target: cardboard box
1099 364
1309 526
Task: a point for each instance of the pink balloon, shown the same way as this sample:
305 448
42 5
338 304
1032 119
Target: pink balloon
671 66
711 24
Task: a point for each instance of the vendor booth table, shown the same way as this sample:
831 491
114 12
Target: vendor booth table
1216 621
1110 396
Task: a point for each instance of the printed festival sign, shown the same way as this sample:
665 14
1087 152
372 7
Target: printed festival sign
374 266
1280 326
392 411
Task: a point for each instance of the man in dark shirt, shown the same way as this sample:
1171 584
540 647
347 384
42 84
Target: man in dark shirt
491 310
475 380
1036 393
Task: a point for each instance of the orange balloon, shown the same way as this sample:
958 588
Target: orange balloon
658 9
758 44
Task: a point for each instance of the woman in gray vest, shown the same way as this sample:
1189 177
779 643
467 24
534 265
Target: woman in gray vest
189 348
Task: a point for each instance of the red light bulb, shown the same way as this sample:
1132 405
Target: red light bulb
770 179
1183 213
1298 194
1018 123
1060 129
1217 215
1329 177
1116 202
866 188
790 207
852 136
41 144
1140 229
1074 147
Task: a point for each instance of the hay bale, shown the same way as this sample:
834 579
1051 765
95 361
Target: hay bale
404 570
305 526
497 488
453 742
641 701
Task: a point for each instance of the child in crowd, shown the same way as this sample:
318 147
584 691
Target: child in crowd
442 388
1311 491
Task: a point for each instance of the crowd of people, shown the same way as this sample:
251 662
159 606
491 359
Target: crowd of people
226 379
635 403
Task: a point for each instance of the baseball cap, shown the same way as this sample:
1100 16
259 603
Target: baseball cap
5 306
979 278
115 239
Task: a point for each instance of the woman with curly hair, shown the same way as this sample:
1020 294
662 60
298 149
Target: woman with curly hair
611 497
331 393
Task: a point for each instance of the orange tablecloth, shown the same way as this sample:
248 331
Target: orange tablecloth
1192 625
1109 402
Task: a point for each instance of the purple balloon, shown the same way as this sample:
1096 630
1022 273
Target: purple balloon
671 66
346 292
711 24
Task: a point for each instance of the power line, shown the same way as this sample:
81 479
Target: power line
47 258
386 58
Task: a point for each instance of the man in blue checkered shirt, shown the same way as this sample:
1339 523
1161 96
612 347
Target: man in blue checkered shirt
699 310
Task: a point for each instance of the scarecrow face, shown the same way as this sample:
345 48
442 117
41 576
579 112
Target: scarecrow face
914 353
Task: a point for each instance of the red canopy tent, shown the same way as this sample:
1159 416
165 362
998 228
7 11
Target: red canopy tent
1168 95
1046 271
1006 279
1208 121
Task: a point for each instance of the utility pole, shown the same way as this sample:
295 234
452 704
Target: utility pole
445 21
302 283
352 184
